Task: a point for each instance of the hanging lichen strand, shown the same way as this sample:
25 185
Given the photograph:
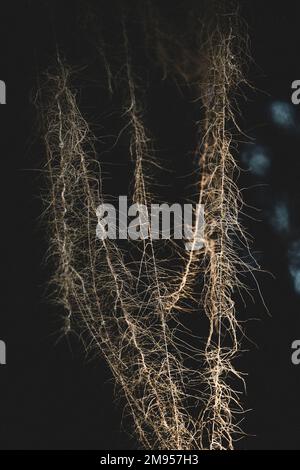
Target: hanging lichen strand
215 75
222 202
123 307
124 295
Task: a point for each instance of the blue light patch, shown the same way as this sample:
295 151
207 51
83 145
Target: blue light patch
294 264
280 218
257 160
283 114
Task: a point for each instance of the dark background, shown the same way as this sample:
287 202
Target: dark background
52 396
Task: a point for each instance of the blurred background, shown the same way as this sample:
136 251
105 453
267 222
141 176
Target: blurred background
52 394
